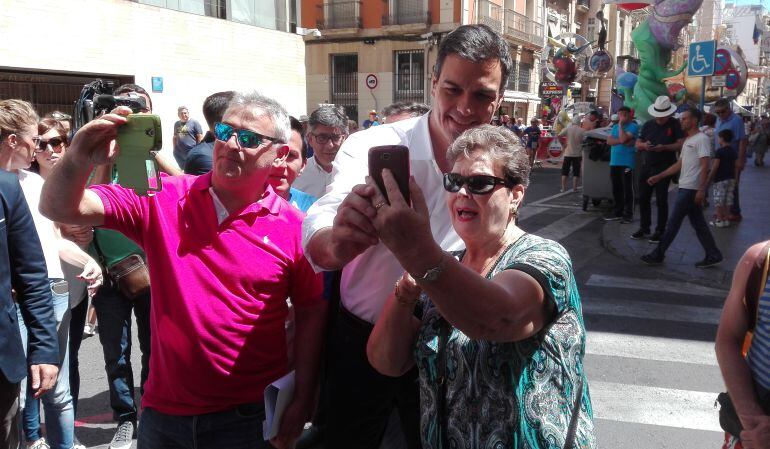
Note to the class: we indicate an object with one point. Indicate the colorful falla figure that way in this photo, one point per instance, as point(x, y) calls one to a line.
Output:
point(654, 39)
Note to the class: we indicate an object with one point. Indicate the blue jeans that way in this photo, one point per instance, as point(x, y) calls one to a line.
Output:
point(59, 414)
point(238, 428)
point(684, 206)
point(77, 323)
point(113, 312)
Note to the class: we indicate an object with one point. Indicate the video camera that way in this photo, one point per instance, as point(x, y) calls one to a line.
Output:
point(97, 98)
point(140, 138)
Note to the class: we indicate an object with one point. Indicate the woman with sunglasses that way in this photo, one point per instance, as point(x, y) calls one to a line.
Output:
point(16, 155)
point(496, 330)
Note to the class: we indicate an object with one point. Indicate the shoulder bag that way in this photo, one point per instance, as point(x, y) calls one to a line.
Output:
point(755, 285)
point(130, 275)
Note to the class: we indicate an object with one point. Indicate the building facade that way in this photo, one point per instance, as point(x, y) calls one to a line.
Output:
point(364, 55)
point(196, 47)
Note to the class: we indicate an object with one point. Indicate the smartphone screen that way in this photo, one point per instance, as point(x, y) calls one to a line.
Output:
point(396, 159)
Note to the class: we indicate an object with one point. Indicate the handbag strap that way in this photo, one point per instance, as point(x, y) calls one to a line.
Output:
point(756, 285)
point(571, 438)
point(443, 340)
point(99, 252)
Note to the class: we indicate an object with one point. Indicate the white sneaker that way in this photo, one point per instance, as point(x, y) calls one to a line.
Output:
point(89, 330)
point(123, 436)
point(39, 444)
point(76, 444)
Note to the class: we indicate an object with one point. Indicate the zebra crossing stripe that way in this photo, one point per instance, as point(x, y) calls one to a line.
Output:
point(565, 226)
point(685, 288)
point(651, 310)
point(653, 405)
point(650, 348)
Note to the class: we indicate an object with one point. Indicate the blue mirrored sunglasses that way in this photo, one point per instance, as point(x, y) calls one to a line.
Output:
point(245, 138)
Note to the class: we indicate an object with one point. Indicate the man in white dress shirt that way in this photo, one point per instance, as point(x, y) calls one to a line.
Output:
point(469, 78)
point(327, 129)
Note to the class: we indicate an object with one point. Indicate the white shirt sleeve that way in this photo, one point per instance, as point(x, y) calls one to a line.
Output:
point(704, 146)
point(349, 169)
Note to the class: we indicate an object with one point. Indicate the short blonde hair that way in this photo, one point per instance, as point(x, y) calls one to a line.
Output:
point(15, 115)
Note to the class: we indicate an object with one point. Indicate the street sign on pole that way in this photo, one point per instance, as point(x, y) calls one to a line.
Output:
point(700, 60)
point(371, 81)
point(718, 81)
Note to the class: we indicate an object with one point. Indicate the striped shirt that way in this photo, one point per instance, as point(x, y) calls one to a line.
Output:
point(759, 354)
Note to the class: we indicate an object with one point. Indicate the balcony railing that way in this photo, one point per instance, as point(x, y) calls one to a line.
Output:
point(405, 12)
point(340, 15)
point(510, 23)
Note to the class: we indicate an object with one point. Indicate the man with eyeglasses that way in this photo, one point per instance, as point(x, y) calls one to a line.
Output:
point(470, 74)
point(327, 130)
point(727, 119)
point(227, 251)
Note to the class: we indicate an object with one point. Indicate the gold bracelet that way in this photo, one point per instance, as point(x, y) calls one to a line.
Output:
point(401, 300)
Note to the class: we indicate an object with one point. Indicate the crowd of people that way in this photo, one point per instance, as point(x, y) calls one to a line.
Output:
point(336, 275)
point(375, 302)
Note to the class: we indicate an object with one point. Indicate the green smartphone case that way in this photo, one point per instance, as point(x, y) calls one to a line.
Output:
point(136, 165)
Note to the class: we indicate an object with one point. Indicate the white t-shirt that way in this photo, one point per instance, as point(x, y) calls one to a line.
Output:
point(314, 179)
point(32, 185)
point(369, 278)
point(693, 149)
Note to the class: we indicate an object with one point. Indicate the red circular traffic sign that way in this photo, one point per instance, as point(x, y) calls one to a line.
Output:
point(371, 81)
point(722, 62)
point(732, 79)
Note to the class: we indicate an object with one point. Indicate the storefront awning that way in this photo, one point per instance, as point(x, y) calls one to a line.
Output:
point(517, 96)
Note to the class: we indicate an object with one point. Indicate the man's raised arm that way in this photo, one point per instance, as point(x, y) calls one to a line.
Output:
point(65, 198)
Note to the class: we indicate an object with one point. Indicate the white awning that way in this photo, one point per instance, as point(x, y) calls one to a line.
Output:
point(517, 96)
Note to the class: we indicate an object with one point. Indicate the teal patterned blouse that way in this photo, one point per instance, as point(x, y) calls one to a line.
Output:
point(516, 395)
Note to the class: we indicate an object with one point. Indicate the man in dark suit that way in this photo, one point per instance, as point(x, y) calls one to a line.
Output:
point(22, 267)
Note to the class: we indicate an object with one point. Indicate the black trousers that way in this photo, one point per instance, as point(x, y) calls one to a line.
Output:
point(9, 413)
point(660, 189)
point(623, 190)
point(361, 400)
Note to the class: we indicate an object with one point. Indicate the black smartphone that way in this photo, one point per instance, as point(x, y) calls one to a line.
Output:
point(396, 159)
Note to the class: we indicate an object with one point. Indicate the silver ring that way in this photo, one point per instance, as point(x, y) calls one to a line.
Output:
point(379, 205)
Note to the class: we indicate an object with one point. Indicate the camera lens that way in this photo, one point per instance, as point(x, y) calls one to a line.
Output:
point(385, 157)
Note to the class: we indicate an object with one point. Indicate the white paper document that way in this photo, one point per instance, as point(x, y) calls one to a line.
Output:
point(278, 396)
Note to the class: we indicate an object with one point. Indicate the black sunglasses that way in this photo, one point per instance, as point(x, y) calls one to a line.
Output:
point(42, 145)
point(245, 138)
point(476, 184)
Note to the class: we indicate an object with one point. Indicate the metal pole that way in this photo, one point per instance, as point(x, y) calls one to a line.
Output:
point(702, 93)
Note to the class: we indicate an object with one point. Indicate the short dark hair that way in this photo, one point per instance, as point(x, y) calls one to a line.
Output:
point(722, 102)
point(624, 109)
point(215, 105)
point(726, 135)
point(476, 43)
point(133, 88)
point(413, 108)
point(710, 120)
point(297, 126)
point(331, 116)
point(695, 113)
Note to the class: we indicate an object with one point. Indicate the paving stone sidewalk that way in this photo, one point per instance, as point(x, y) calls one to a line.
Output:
point(686, 250)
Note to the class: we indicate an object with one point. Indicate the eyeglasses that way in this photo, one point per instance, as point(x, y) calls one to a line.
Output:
point(476, 184)
point(42, 145)
point(245, 138)
point(719, 111)
point(323, 139)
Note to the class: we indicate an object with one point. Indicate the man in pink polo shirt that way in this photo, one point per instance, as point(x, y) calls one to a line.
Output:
point(224, 253)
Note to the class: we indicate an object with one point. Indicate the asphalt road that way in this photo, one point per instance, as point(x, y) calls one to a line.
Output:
point(650, 360)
